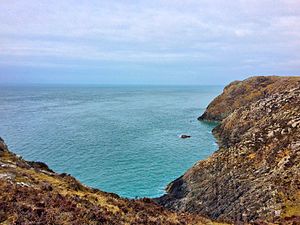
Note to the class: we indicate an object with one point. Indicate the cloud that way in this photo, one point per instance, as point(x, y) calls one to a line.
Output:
point(212, 32)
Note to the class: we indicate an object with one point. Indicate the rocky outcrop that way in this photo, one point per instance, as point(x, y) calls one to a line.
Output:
point(31, 193)
point(255, 174)
point(241, 93)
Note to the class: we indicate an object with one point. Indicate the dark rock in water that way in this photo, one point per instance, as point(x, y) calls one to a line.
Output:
point(183, 136)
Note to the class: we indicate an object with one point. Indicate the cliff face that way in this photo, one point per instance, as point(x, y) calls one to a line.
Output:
point(31, 193)
point(255, 174)
point(241, 93)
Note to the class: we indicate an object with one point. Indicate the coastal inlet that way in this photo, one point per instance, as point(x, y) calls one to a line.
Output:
point(118, 139)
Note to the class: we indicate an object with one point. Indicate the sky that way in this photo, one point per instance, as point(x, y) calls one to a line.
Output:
point(188, 42)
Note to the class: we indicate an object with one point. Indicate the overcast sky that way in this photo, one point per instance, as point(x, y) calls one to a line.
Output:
point(147, 42)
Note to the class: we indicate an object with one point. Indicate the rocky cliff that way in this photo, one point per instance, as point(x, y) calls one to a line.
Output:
point(241, 93)
point(255, 174)
point(31, 193)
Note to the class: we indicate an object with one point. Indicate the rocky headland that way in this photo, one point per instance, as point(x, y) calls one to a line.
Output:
point(254, 176)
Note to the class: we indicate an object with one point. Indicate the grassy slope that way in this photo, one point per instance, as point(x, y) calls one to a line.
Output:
point(31, 193)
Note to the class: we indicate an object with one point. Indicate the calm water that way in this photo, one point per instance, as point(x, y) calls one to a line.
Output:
point(119, 139)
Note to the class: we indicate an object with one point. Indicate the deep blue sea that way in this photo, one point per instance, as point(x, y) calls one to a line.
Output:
point(121, 139)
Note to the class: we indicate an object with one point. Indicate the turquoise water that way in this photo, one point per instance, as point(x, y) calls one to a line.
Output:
point(119, 139)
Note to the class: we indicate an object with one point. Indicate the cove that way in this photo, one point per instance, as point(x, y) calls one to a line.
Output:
point(121, 139)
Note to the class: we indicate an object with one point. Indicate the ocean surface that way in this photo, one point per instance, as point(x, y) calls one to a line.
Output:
point(119, 139)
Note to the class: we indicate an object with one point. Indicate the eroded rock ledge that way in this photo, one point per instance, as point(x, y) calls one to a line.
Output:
point(255, 174)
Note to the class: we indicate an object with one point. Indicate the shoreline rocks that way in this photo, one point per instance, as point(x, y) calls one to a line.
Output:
point(254, 177)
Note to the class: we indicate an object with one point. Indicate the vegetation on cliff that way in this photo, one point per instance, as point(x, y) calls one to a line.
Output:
point(241, 93)
point(255, 174)
point(31, 193)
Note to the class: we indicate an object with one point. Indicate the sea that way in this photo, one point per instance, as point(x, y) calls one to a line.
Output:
point(121, 139)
